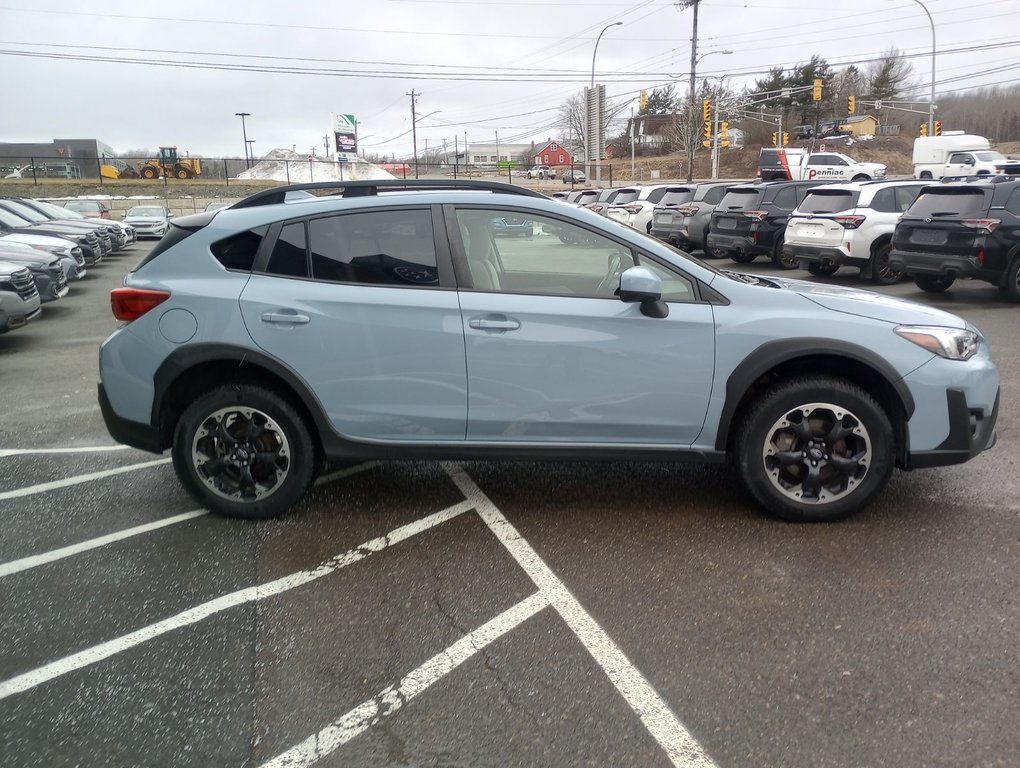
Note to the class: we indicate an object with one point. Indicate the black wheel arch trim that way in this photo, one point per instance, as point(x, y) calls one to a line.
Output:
point(774, 353)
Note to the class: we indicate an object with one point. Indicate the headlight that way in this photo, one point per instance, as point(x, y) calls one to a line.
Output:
point(950, 343)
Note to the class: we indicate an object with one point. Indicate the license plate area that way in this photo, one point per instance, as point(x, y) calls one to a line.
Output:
point(727, 224)
point(928, 236)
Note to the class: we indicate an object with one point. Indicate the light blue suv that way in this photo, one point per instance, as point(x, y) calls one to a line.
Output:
point(261, 341)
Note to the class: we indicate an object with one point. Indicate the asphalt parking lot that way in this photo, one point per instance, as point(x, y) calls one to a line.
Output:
point(477, 614)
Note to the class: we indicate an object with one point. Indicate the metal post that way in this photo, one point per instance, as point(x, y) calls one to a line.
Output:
point(694, 67)
point(35, 179)
point(226, 173)
point(286, 165)
point(632, 142)
point(931, 105)
point(414, 131)
point(610, 174)
point(715, 138)
point(99, 164)
point(244, 134)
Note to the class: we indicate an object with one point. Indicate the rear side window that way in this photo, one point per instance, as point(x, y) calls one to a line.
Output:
point(950, 202)
point(676, 196)
point(656, 195)
point(290, 253)
point(237, 251)
point(740, 199)
point(714, 195)
point(1013, 204)
point(827, 201)
point(394, 248)
point(786, 199)
point(905, 196)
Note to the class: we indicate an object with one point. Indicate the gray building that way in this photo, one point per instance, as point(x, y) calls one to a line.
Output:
point(61, 158)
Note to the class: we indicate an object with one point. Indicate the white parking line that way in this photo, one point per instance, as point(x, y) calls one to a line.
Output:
point(392, 698)
point(5, 452)
point(33, 561)
point(89, 656)
point(77, 479)
point(680, 746)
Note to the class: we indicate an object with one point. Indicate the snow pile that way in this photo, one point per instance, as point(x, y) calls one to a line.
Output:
point(285, 165)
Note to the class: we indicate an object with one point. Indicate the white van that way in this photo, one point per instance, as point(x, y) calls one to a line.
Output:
point(956, 153)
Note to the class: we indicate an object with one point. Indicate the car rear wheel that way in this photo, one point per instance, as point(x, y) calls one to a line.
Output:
point(244, 451)
point(818, 269)
point(933, 283)
point(815, 450)
point(779, 259)
point(882, 271)
point(1011, 286)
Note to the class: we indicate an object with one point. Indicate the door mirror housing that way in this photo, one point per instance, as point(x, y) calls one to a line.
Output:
point(640, 284)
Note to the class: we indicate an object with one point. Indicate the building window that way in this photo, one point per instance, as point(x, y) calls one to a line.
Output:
point(561, 157)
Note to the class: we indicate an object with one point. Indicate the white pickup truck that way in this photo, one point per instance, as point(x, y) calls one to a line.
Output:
point(956, 153)
point(778, 164)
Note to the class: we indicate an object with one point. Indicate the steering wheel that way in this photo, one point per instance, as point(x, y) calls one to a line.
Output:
point(611, 282)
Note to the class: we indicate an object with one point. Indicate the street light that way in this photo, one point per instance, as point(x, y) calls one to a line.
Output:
point(598, 113)
point(244, 133)
point(931, 104)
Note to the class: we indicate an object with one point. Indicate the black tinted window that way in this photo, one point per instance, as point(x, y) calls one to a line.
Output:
point(1013, 204)
point(656, 195)
point(786, 199)
point(383, 248)
point(949, 202)
point(905, 196)
point(827, 201)
point(238, 251)
point(290, 254)
point(740, 199)
point(714, 195)
point(885, 200)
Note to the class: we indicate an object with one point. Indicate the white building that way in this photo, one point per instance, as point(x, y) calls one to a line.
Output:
point(490, 154)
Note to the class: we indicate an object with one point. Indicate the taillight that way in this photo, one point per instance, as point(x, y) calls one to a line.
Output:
point(131, 303)
point(756, 215)
point(632, 208)
point(988, 225)
point(849, 222)
point(687, 210)
point(981, 257)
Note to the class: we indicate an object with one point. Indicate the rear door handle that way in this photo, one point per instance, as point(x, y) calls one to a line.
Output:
point(494, 323)
point(290, 318)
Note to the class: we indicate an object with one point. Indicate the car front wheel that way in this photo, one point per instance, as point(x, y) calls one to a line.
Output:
point(815, 450)
point(244, 451)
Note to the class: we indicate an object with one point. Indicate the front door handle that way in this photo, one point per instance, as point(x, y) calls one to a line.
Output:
point(290, 318)
point(494, 323)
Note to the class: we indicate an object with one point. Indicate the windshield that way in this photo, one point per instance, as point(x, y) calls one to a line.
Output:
point(827, 201)
point(57, 211)
point(81, 206)
point(24, 211)
point(145, 210)
point(950, 202)
point(677, 195)
point(740, 199)
point(989, 157)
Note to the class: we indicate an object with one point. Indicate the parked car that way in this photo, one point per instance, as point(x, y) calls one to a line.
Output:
point(750, 221)
point(123, 234)
point(93, 209)
point(574, 176)
point(46, 269)
point(71, 259)
point(19, 299)
point(541, 172)
point(688, 223)
point(849, 225)
point(102, 231)
point(633, 205)
point(601, 201)
point(803, 131)
point(444, 346)
point(216, 206)
point(520, 226)
point(87, 241)
point(149, 220)
point(968, 229)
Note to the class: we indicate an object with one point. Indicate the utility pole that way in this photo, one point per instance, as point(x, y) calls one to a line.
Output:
point(497, 149)
point(325, 143)
point(694, 66)
point(414, 130)
point(715, 135)
point(426, 156)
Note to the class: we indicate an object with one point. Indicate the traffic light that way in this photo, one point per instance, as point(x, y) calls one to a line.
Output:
point(708, 132)
point(775, 139)
point(786, 138)
point(924, 129)
point(816, 91)
point(938, 127)
point(644, 100)
point(706, 110)
point(724, 129)
point(851, 104)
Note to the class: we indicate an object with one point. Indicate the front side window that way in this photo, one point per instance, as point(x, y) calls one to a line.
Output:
point(393, 248)
point(560, 258)
point(675, 287)
point(961, 158)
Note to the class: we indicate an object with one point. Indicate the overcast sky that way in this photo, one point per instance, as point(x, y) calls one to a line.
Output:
point(481, 66)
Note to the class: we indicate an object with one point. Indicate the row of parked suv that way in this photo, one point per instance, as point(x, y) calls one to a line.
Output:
point(43, 248)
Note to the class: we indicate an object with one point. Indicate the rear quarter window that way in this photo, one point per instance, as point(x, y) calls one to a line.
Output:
point(949, 203)
point(238, 251)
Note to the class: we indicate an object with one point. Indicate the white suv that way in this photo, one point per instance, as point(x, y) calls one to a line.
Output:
point(633, 206)
point(849, 224)
point(541, 172)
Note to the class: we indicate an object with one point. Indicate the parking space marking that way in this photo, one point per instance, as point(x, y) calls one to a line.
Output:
point(392, 698)
point(33, 561)
point(681, 747)
point(77, 479)
point(5, 452)
point(96, 653)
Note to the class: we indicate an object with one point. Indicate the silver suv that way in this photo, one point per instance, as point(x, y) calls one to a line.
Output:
point(850, 225)
point(263, 339)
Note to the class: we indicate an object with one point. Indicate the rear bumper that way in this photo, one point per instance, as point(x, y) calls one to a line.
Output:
point(734, 244)
point(142, 436)
point(969, 434)
point(821, 254)
point(946, 265)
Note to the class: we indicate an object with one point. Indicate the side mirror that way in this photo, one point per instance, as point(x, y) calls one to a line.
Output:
point(640, 284)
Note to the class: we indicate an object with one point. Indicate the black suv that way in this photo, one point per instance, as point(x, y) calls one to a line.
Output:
point(962, 229)
point(750, 221)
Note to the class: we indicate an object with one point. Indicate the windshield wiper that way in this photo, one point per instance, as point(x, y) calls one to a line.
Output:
point(741, 276)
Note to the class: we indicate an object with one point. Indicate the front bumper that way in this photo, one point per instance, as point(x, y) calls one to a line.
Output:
point(971, 431)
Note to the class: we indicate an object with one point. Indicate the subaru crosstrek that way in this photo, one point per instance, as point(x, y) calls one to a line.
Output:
point(263, 340)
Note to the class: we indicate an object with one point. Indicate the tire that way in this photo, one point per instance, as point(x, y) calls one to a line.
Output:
point(881, 272)
point(781, 261)
point(861, 177)
point(203, 435)
point(150, 172)
point(183, 173)
point(925, 175)
point(933, 283)
point(818, 269)
point(740, 257)
point(1011, 284)
point(777, 450)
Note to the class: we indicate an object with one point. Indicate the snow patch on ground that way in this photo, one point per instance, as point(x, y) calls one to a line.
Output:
point(293, 167)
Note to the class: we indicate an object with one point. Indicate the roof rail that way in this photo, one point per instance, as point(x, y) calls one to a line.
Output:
point(278, 195)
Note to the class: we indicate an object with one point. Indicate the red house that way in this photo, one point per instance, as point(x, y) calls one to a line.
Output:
point(553, 153)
